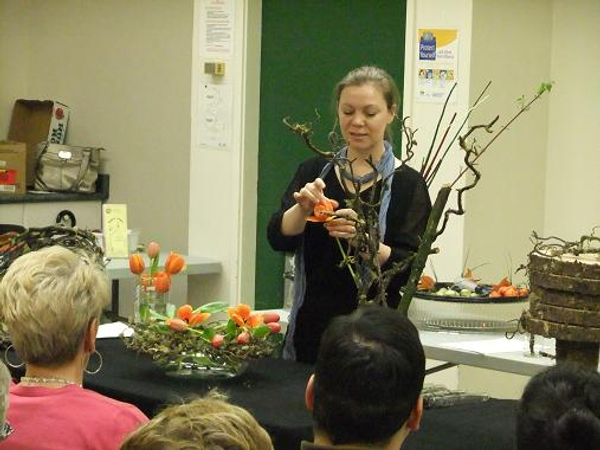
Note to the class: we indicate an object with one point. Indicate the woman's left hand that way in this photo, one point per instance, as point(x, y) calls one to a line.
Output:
point(343, 225)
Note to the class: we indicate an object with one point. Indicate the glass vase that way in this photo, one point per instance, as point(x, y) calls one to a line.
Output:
point(147, 298)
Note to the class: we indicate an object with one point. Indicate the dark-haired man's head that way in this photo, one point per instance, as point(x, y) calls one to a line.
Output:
point(368, 380)
point(560, 409)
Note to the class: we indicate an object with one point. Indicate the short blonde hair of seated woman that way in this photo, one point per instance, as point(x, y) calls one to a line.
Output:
point(48, 299)
point(208, 423)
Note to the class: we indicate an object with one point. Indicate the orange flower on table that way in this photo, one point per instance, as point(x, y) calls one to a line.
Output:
point(185, 312)
point(177, 325)
point(242, 315)
point(255, 320)
point(174, 264)
point(426, 283)
point(153, 250)
point(322, 212)
point(198, 318)
point(136, 264)
point(161, 282)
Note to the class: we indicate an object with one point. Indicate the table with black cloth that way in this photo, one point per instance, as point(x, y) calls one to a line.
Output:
point(273, 391)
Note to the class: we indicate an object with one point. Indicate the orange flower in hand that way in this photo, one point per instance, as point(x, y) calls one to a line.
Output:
point(174, 264)
point(136, 264)
point(323, 212)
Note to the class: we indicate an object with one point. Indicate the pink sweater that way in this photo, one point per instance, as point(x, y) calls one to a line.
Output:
point(67, 418)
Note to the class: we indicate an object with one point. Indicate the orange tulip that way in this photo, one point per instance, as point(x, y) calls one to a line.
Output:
point(174, 264)
point(238, 320)
point(322, 212)
point(426, 283)
point(198, 318)
point(136, 264)
point(161, 282)
point(255, 320)
point(184, 312)
point(152, 250)
point(231, 311)
point(177, 325)
point(244, 311)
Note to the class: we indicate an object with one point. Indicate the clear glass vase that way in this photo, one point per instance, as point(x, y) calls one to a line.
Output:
point(147, 298)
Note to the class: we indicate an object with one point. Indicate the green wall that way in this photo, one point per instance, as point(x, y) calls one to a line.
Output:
point(307, 47)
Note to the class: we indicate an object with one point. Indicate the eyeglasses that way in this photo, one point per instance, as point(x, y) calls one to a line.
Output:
point(6, 431)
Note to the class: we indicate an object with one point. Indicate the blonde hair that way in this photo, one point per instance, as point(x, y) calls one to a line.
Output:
point(208, 423)
point(48, 299)
point(4, 392)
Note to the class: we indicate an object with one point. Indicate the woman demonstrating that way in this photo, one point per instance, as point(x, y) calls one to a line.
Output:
point(367, 101)
point(51, 301)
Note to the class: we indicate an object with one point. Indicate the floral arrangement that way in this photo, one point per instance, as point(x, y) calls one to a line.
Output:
point(195, 341)
point(153, 284)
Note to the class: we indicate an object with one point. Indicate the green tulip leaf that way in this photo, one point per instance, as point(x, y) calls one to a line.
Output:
point(260, 332)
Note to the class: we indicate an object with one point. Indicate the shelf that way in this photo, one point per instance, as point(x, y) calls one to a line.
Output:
point(101, 194)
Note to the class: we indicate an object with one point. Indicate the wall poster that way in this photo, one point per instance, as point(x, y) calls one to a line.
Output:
point(437, 64)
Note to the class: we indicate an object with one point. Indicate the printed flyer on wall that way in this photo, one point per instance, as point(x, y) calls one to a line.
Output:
point(436, 65)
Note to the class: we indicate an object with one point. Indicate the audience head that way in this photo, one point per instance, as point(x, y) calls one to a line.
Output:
point(560, 409)
point(205, 424)
point(5, 428)
point(51, 300)
point(368, 378)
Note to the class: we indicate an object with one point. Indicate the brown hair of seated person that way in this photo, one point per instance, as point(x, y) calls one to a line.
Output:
point(208, 423)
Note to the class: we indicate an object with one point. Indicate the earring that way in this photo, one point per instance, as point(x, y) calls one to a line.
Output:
point(94, 372)
point(14, 366)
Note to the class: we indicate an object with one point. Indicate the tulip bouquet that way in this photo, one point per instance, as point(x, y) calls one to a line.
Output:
point(195, 342)
point(154, 285)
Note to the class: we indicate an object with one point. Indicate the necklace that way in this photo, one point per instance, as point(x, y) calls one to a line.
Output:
point(48, 380)
point(361, 180)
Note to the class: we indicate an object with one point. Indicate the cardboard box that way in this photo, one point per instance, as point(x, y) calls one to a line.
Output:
point(34, 121)
point(13, 157)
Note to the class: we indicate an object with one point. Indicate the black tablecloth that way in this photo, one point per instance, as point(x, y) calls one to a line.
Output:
point(273, 391)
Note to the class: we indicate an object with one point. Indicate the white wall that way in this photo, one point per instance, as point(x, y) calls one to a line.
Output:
point(439, 14)
point(14, 44)
point(124, 68)
point(511, 47)
point(572, 179)
point(223, 183)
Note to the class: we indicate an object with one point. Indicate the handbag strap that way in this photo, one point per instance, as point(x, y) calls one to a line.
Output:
point(87, 152)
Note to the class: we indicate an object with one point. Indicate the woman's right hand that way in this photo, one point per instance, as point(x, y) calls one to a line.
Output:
point(294, 219)
point(310, 195)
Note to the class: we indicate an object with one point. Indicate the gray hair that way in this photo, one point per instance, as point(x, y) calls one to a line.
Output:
point(48, 299)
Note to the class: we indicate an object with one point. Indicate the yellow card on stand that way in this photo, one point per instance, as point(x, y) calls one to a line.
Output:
point(114, 227)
